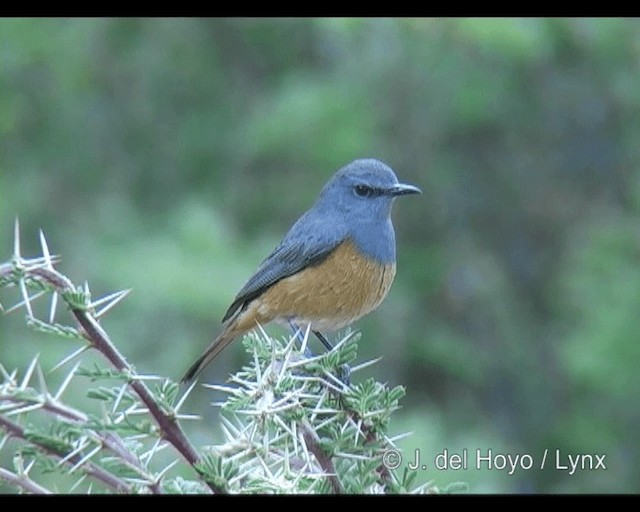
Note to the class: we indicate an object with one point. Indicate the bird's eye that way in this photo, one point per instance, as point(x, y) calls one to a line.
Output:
point(363, 190)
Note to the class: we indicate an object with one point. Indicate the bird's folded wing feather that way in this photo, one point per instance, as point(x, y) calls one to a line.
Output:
point(309, 242)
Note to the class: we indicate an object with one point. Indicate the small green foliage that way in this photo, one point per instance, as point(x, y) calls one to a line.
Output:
point(9, 275)
point(179, 485)
point(51, 442)
point(216, 469)
point(77, 299)
point(455, 487)
point(291, 426)
point(65, 331)
point(167, 392)
point(101, 373)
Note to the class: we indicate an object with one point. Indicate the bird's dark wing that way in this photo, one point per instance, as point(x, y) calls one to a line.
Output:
point(309, 242)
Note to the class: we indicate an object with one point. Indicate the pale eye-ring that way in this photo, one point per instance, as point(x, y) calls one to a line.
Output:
point(363, 190)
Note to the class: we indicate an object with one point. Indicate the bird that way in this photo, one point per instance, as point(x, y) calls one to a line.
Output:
point(335, 264)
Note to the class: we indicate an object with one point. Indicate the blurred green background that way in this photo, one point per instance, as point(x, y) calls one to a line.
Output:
point(171, 155)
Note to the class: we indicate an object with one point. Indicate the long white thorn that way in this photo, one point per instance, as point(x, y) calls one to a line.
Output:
point(16, 239)
point(54, 305)
point(114, 299)
point(45, 251)
point(66, 381)
point(42, 382)
point(29, 372)
point(70, 357)
point(25, 296)
point(86, 458)
point(177, 407)
point(23, 302)
point(365, 364)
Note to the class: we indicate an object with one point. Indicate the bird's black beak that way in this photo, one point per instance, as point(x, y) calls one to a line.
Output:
point(403, 189)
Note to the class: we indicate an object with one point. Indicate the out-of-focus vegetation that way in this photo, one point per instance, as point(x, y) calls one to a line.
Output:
point(170, 156)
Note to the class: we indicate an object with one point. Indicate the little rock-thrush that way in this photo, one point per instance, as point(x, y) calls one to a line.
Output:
point(335, 264)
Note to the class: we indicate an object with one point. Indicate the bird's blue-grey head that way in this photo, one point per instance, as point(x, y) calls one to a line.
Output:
point(360, 195)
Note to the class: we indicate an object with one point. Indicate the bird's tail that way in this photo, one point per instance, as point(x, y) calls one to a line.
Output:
point(213, 350)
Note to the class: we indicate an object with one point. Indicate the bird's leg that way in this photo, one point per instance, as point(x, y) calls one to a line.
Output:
point(300, 335)
point(344, 373)
point(323, 339)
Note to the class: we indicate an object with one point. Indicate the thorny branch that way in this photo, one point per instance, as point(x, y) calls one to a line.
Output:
point(46, 275)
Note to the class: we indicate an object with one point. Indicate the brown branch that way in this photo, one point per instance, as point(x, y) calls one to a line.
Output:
point(369, 437)
point(91, 469)
point(170, 429)
point(23, 482)
point(113, 443)
point(110, 441)
point(313, 443)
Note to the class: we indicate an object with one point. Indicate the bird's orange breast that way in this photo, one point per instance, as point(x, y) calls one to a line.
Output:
point(330, 295)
